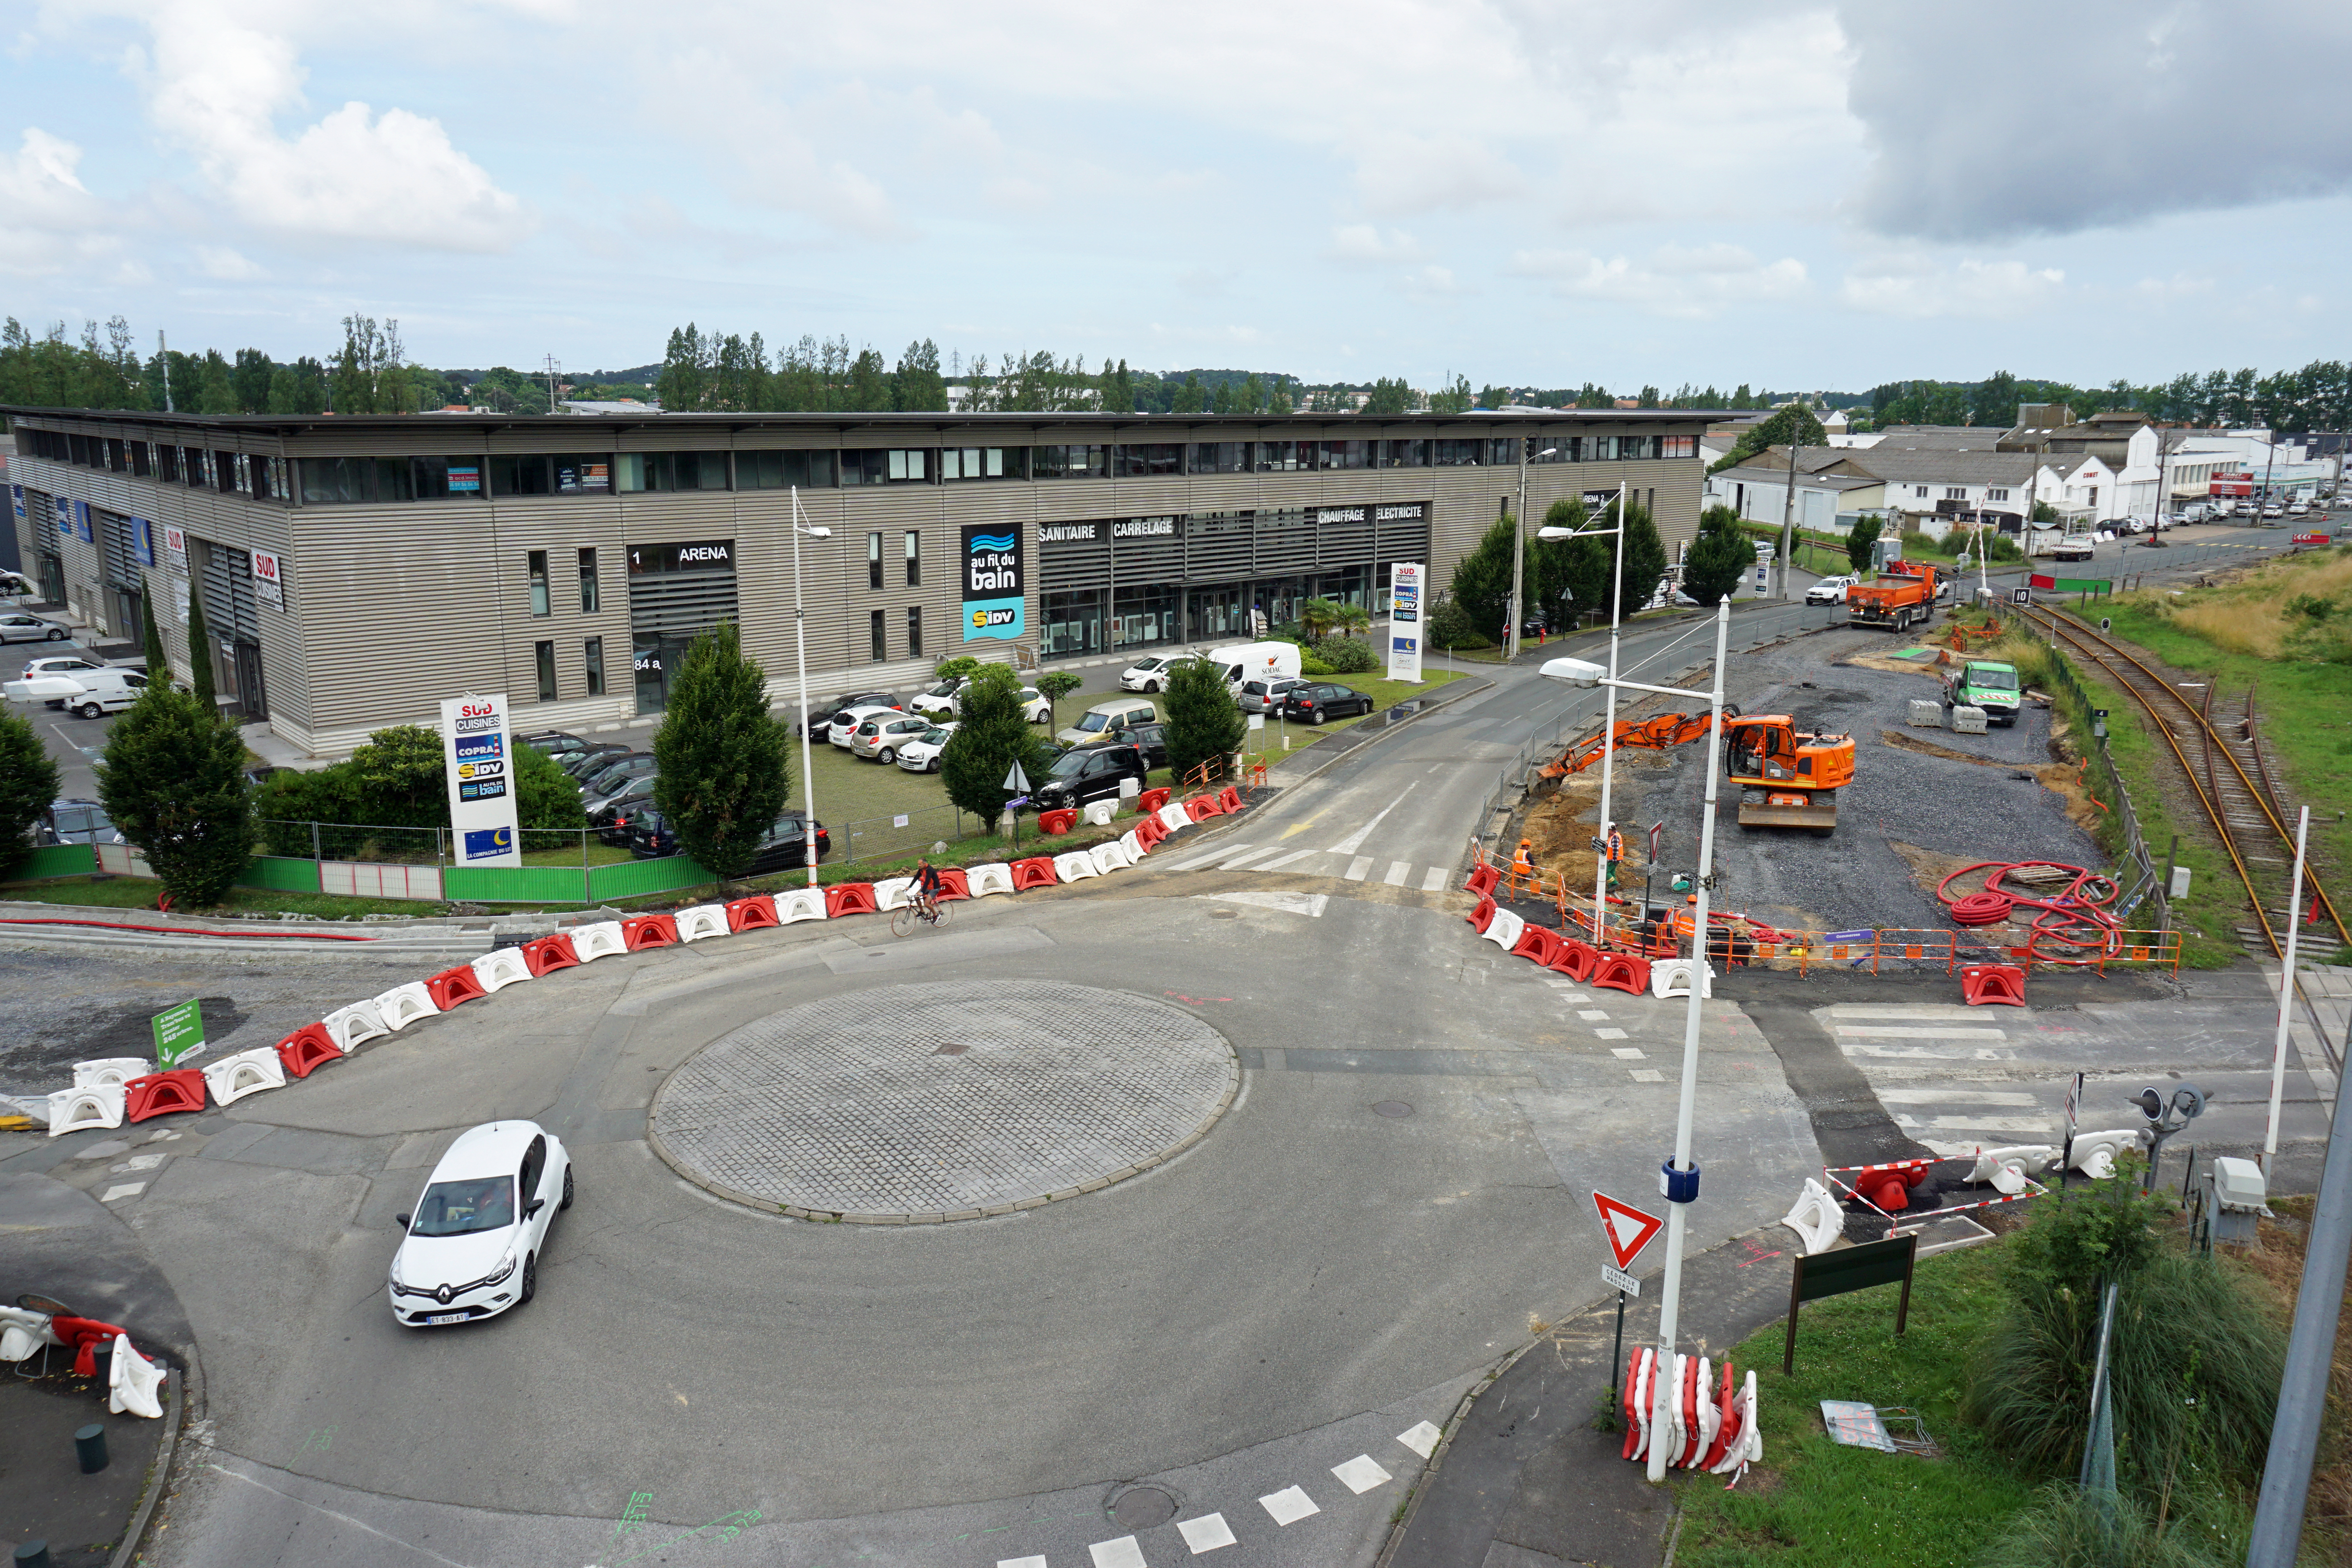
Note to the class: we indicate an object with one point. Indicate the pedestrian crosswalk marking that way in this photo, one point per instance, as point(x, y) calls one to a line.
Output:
point(1290, 859)
point(1238, 861)
point(1357, 869)
point(1435, 881)
point(1398, 872)
point(1896, 1032)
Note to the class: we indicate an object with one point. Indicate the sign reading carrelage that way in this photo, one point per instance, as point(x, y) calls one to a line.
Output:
point(995, 592)
point(476, 751)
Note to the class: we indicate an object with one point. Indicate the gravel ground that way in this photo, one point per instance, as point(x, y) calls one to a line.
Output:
point(1855, 879)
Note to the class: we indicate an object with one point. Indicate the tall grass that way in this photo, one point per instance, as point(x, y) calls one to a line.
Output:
point(2300, 607)
point(2069, 1528)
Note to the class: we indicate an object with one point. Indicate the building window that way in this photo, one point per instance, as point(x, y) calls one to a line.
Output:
point(590, 599)
point(660, 471)
point(538, 587)
point(1955, 492)
point(914, 558)
point(592, 658)
point(1345, 454)
point(1405, 454)
point(167, 464)
point(1920, 491)
point(1221, 457)
point(913, 631)
point(1151, 460)
point(874, 567)
point(1069, 462)
point(783, 471)
point(1996, 494)
point(1284, 457)
point(879, 636)
point(886, 465)
point(139, 464)
point(983, 463)
point(546, 652)
point(1678, 446)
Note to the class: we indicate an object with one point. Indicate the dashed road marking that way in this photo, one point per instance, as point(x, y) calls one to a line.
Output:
point(1398, 872)
point(1357, 869)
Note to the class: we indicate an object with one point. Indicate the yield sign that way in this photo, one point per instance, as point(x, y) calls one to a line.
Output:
point(1628, 1228)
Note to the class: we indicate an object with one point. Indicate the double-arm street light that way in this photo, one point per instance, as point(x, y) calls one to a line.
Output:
point(799, 651)
point(1519, 553)
point(1678, 1177)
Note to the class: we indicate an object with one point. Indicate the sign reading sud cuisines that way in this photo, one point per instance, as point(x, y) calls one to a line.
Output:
point(477, 752)
point(995, 592)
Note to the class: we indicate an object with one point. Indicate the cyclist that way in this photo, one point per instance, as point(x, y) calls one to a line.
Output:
point(926, 887)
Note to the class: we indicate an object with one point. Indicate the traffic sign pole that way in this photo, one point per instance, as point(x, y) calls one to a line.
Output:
point(1627, 1230)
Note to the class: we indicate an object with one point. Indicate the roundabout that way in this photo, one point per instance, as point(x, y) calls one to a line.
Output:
point(929, 1103)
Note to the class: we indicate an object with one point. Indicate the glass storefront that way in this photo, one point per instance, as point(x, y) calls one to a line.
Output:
point(1073, 622)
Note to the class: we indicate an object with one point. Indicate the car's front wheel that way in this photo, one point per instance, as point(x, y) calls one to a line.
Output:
point(567, 1189)
point(90, 711)
point(886, 756)
point(932, 766)
point(529, 1280)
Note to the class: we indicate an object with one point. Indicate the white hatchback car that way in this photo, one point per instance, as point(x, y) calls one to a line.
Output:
point(845, 722)
point(939, 698)
point(921, 754)
point(1829, 590)
point(473, 1245)
point(1150, 674)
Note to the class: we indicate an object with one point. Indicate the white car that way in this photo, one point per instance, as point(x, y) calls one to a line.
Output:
point(939, 698)
point(1034, 706)
point(1266, 695)
point(18, 627)
point(473, 1243)
point(63, 664)
point(1150, 674)
point(845, 722)
point(878, 739)
point(86, 693)
point(921, 753)
point(1830, 590)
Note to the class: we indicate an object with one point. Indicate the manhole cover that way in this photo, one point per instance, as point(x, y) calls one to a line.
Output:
point(1392, 1108)
point(945, 1100)
point(1140, 1508)
point(1225, 914)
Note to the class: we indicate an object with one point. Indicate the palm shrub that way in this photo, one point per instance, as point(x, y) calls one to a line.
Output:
point(2195, 1361)
point(723, 761)
point(28, 785)
point(991, 735)
point(172, 778)
point(1202, 720)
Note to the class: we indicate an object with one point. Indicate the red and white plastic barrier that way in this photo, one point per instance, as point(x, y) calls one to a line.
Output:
point(1683, 1405)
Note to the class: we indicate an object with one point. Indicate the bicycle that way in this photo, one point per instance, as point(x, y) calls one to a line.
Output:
point(919, 911)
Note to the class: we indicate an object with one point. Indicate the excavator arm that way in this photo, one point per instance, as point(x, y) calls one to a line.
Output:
point(1654, 734)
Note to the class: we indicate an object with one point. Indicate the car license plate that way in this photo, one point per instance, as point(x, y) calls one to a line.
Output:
point(439, 1318)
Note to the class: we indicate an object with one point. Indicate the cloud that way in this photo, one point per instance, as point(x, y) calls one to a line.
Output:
point(1689, 281)
point(219, 261)
point(1365, 242)
point(1918, 288)
point(2093, 115)
point(53, 222)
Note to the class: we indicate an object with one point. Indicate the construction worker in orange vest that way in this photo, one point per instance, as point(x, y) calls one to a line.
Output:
point(1616, 854)
point(1686, 923)
point(1523, 864)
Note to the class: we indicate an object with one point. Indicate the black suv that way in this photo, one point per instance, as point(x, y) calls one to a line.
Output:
point(1084, 773)
point(1151, 740)
point(1316, 703)
point(786, 846)
point(649, 835)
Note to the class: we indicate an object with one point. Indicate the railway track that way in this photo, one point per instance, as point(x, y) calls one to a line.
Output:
point(2216, 741)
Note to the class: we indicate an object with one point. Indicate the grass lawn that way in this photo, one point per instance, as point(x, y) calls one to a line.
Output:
point(1813, 1501)
point(1385, 695)
point(139, 893)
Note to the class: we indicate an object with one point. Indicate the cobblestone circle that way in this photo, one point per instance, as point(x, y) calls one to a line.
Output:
point(914, 1103)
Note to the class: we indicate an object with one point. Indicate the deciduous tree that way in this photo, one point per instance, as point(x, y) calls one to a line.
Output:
point(723, 761)
point(1718, 557)
point(1202, 720)
point(172, 778)
point(28, 784)
point(991, 735)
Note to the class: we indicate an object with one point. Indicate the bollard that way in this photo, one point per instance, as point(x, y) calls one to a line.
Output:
point(33, 1554)
point(90, 1447)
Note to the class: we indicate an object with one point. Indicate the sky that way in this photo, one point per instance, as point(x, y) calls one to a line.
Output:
point(1520, 192)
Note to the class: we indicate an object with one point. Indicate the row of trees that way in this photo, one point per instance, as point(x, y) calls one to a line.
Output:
point(2316, 397)
point(1561, 578)
point(371, 373)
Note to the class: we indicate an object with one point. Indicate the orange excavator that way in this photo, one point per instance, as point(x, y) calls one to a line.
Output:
point(1787, 777)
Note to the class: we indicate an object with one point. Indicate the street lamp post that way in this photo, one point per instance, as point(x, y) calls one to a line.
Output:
point(799, 651)
point(1520, 554)
point(1609, 719)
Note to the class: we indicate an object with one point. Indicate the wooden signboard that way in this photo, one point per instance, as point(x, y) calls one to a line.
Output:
point(1849, 1269)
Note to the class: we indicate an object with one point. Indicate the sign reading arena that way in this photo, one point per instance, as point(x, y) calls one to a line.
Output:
point(993, 588)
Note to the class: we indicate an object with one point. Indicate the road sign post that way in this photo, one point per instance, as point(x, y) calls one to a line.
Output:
point(1017, 782)
point(1627, 1230)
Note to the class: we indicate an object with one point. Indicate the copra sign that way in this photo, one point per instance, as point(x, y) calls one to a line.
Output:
point(478, 755)
point(994, 591)
point(1405, 583)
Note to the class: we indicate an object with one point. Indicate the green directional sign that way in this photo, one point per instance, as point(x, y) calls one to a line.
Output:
point(179, 1033)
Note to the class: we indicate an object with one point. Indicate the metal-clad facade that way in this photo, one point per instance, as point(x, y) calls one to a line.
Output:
point(392, 606)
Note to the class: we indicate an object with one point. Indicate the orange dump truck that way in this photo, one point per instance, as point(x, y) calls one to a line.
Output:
point(1902, 596)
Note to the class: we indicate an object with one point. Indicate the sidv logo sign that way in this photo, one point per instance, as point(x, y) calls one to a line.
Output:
point(994, 596)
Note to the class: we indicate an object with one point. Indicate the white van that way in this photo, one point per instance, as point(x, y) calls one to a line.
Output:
point(85, 692)
point(1255, 661)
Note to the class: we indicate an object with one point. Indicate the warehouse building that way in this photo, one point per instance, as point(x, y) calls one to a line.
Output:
point(355, 570)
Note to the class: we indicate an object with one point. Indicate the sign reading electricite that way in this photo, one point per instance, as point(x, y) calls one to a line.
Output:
point(995, 592)
point(478, 755)
point(1404, 620)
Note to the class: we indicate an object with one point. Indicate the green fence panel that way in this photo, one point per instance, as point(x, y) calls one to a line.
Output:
point(636, 878)
point(513, 885)
point(57, 860)
point(281, 874)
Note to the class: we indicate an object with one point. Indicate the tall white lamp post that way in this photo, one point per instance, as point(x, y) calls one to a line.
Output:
point(1609, 720)
point(799, 651)
point(1519, 556)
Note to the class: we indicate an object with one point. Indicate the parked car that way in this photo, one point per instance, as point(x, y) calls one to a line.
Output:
point(1084, 773)
point(471, 1247)
point(18, 626)
point(1151, 674)
point(2273, 508)
point(878, 739)
point(821, 726)
point(2076, 547)
point(551, 743)
point(786, 846)
point(1034, 706)
point(632, 787)
point(1266, 695)
point(613, 777)
point(1830, 590)
point(1317, 701)
point(76, 821)
point(1151, 740)
point(1104, 717)
point(1986, 684)
point(612, 820)
point(2299, 508)
point(846, 721)
point(87, 689)
point(920, 754)
point(588, 760)
point(939, 698)
point(649, 835)
point(60, 664)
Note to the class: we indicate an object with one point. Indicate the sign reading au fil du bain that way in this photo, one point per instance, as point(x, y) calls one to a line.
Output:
point(1405, 625)
point(995, 592)
point(477, 752)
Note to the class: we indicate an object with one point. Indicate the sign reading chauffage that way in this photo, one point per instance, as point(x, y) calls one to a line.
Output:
point(995, 592)
point(478, 754)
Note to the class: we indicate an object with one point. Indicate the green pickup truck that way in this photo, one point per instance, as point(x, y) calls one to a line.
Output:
point(1986, 684)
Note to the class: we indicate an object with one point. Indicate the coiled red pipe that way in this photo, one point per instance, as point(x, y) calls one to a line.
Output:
point(2072, 926)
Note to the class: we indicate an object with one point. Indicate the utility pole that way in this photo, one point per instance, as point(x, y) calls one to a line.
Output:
point(551, 370)
point(1789, 509)
point(164, 356)
point(1519, 556)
